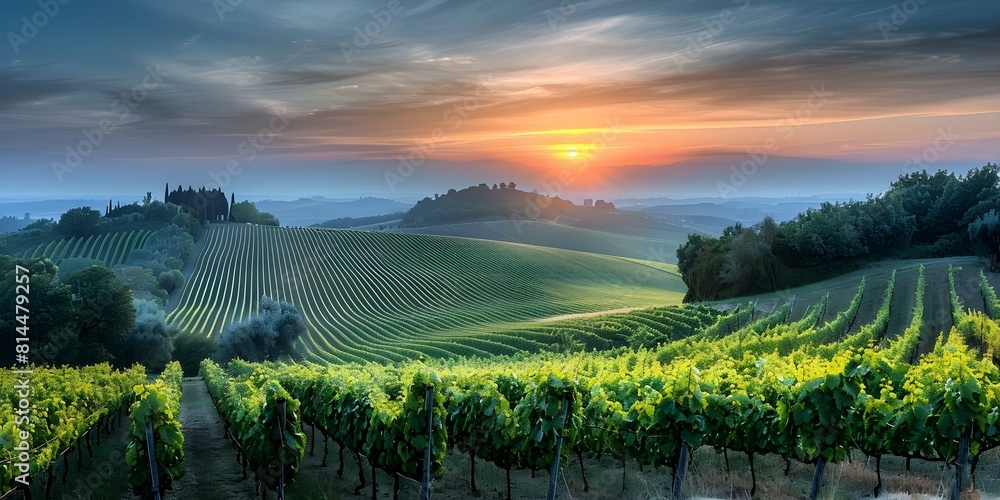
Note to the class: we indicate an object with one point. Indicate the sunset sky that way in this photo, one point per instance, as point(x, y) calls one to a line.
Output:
point(319, 97)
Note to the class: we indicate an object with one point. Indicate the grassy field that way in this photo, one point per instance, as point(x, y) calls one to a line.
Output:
point(386, 297)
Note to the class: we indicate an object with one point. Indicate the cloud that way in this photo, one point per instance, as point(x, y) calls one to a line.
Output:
point(695, 75)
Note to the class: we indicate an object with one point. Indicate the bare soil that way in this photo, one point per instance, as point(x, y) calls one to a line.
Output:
point(211, 469)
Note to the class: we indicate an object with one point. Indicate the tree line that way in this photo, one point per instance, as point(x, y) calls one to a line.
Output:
point(922, 215)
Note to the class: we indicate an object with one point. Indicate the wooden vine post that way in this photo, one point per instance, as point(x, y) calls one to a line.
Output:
point(151, 455)
point(425, 484)
point(817, 481)
point(554, 467)
point(282, 409)
point(682, 461)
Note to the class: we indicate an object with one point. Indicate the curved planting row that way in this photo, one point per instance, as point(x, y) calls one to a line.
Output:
point(536, 412)
point(387, 297)
point(110, 248)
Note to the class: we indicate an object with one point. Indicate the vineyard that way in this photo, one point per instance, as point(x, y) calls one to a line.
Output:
point(110, 248)
point(68, 407)
point(814, 388)
point(391, 297)
point(802, 389)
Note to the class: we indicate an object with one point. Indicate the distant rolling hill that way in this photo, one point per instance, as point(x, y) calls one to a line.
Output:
point(620, 233)
point(384, 296)
point(745, 212)
point(309, 211)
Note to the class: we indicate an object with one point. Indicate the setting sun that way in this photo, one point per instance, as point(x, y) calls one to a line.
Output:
point(572, 153)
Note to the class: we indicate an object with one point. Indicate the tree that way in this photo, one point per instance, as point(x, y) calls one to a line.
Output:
point(268, 219)
point(79, 222)
point(148, 198)
point(244, 211)
point(268, 336)
point(151, 341)
point(985, 235)
point(161, 212)
point(104, 314)
point(750, 266)
point(189, 223)
point(142, 282)
point(51, 313)
point(171, 280)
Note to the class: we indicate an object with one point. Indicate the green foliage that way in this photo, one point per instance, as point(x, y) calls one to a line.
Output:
point(70, 266)
point(247, 212)
point(478, 202)
point(161, 212)
point(922, 215)
point(957, 311)
point(157, 404)
point(104, 314)
point(189, 223)
point(803, 404)
point(248, 403)
point(990, 301)
point(52, 313)
point(72, 402)
point(142, 283)
point(79, 222)
point(168, 244)
point(151, 341)
point(190, 350)
point(902, 348)
point(171, 281)
point(270, 335)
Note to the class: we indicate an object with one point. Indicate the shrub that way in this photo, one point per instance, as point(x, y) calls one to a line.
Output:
point(151, 340)
point(268, 336)
point(171, 281)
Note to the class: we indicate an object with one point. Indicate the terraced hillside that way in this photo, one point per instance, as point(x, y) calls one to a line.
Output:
point(383, 296)
point(110, 248)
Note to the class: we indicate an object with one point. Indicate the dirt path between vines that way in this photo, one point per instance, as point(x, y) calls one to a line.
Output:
point(211, 470)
